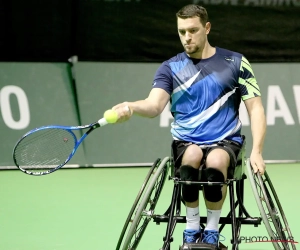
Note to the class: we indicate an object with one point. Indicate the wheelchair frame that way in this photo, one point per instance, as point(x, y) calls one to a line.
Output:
point(266, 198)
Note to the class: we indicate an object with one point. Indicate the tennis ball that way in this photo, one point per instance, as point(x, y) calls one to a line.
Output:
point(110, 116)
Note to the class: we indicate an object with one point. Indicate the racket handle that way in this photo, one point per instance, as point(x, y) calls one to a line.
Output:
point(109, 116)
point(102, 122)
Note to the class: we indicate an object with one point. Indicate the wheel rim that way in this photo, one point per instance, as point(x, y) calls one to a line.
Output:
point(139, 195)
point(283, 231)
point(145, 209)
point(272, 219)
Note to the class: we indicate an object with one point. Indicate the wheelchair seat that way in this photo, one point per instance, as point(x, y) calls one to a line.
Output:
point(236, 172)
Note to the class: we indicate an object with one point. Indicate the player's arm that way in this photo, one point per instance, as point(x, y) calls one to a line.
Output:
point(251, 96)
point(258, 128)
point(150, 107)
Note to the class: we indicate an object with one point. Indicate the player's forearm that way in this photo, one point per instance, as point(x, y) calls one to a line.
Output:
point(258, 129)
point(145, 108)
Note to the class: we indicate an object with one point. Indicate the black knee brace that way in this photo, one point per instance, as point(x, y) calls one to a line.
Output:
point(190, 193)
point(213, 193)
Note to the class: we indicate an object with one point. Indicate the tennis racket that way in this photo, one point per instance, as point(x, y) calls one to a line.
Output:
point(46, 149)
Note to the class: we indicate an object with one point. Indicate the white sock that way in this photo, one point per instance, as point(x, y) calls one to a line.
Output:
point(192, 218)
point(213, 218)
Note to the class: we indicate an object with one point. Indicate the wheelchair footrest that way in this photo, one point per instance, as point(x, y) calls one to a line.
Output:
point(202, 246)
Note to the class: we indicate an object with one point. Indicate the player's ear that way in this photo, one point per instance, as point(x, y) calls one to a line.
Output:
point(207, 27)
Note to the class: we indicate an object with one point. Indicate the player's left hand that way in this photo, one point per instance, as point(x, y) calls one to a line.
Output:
point(257, 163)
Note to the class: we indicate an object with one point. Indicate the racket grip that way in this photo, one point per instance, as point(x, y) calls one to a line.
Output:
point(102, 122)
point(111, 116)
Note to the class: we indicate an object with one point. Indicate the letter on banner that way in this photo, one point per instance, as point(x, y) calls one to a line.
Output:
point(165, 117)
point(5, 106)
point(296, 89)
point(275, 97)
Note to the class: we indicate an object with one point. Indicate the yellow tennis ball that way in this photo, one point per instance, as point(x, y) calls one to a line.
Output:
point(110, 116)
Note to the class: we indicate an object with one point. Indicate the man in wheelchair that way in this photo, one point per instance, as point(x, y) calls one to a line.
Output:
point(214, 160)
point(205, 86)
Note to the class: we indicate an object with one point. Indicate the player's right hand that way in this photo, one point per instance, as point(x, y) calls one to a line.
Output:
point(124, 111)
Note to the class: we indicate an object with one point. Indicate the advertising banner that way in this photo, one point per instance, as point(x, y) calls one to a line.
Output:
point(35, 94)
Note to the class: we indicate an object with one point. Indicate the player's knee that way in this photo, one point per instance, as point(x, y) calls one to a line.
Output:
point(192, 156)
point(190, 193)
point(213, 193)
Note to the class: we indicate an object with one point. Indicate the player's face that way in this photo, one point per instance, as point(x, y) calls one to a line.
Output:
point(193, 35)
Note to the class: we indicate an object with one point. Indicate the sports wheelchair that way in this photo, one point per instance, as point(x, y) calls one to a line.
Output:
point(142, 211)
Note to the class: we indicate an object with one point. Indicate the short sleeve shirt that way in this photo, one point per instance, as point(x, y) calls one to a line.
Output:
point(205, 95)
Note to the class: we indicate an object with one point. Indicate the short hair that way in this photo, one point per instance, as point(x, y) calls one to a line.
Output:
point(193, 10)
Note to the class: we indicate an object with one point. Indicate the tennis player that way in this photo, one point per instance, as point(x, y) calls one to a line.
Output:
point(205, 86)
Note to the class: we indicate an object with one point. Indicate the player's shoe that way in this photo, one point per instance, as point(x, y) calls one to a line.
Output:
point(191, 236)
point(211, 237)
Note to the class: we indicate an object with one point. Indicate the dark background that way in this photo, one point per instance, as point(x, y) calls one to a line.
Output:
point(141, 31)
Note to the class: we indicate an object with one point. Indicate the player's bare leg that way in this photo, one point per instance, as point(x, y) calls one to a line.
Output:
point(217, 159)
point(192, 159)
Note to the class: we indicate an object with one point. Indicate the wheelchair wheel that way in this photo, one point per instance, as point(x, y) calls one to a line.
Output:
point(141, 212)
point(270, 210)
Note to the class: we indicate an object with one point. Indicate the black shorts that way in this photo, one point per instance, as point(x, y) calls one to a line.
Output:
point(231, 147)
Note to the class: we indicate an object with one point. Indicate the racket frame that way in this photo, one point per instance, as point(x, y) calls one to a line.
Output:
point(100, 123)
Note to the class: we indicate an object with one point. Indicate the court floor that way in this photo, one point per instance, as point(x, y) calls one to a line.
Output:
point(85, 209)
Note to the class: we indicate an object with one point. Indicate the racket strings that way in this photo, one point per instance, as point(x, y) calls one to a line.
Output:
point(44, 149)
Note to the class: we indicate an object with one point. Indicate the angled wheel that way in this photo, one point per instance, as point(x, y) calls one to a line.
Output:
point(144, 205)
point(270, 210)
point(137, 199)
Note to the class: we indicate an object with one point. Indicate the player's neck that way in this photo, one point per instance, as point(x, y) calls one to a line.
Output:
point(207, 52)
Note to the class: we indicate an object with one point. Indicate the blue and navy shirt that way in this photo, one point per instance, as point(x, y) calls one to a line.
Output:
point(205, 95)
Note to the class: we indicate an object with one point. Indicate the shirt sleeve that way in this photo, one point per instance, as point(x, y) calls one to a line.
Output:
point(163, 78)
point(247, 81)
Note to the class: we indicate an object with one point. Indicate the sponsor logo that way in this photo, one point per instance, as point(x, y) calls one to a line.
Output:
point(229, 59)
